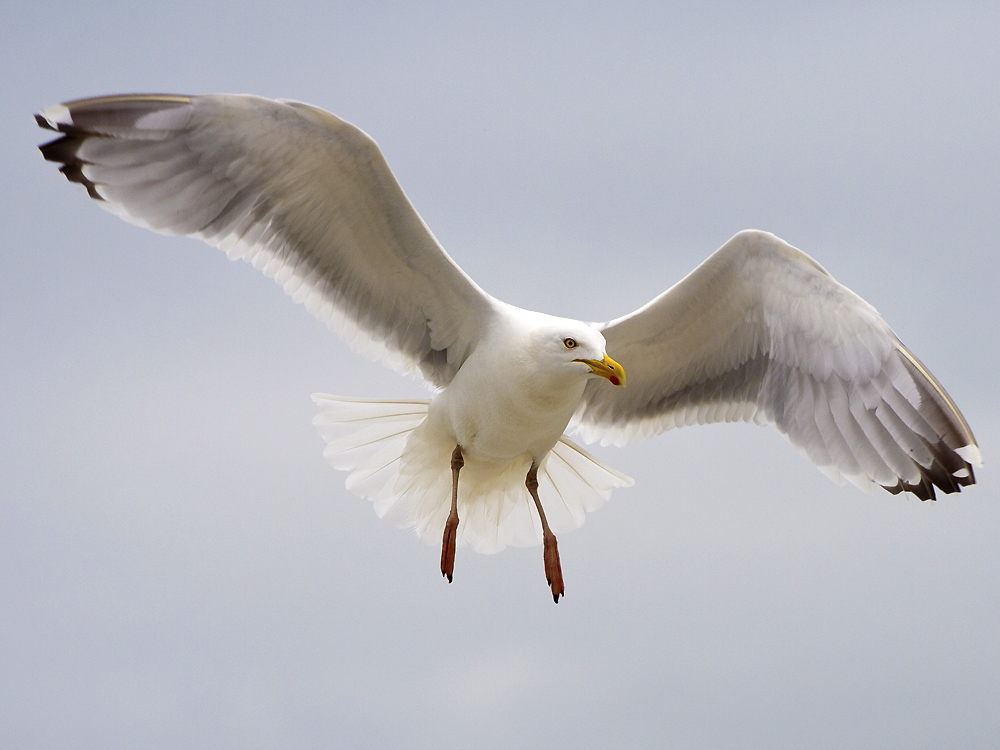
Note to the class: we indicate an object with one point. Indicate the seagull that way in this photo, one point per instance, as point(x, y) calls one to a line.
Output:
point(759, 332)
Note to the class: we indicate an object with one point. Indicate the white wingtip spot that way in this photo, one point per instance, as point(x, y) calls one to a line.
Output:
point(56, 115)
point(971, 454)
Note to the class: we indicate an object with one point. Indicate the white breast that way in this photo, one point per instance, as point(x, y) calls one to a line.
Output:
point(505, 401)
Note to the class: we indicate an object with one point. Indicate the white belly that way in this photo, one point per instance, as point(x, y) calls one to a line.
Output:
point(507, 420)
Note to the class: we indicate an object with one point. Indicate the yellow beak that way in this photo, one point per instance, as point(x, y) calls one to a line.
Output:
point(606, 368)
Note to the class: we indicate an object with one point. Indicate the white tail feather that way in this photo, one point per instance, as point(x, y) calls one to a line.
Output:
point(402, 464)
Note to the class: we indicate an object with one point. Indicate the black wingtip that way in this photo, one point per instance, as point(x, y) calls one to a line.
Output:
point(946, 478)
point(43, 123)
point(64, 151)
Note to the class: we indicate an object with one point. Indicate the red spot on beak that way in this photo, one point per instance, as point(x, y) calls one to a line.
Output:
point(614, 380)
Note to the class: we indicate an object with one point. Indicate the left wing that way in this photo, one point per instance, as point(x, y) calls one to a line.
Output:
point(762, 332)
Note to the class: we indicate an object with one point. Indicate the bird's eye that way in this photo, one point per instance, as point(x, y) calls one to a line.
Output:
point(570, 343)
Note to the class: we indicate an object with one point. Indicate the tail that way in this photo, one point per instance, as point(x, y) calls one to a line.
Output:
point(400, 463)
point(367, 438)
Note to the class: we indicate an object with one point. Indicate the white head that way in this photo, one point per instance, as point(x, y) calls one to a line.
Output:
point(573, 346)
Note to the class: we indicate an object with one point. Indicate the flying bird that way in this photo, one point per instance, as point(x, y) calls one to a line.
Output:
point(759, 332)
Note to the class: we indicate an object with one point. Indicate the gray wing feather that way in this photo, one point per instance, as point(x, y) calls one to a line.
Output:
point(761, 332)
point(302, 195)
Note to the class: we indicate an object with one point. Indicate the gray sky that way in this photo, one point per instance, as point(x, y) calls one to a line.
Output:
point(180, 567)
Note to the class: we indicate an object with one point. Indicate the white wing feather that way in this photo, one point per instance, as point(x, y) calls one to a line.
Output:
point(762, 332)
point(302, 195)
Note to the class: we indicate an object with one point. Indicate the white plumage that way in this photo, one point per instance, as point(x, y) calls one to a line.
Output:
point(759, 332)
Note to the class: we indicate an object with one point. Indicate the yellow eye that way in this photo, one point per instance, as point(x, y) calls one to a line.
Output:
point(570, 343)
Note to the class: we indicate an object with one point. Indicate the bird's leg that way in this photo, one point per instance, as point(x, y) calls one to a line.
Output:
point(451, 525)
point(553, 571)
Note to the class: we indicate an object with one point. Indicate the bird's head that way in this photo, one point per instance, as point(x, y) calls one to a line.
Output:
point(581, 346)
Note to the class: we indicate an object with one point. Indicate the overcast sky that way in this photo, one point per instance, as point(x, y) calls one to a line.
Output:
point(179, 567)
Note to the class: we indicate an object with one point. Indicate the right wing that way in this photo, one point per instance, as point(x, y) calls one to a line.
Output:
point(302, 195)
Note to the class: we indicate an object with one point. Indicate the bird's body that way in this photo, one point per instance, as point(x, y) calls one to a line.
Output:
point(759, 332)
point(527, 410)
point(508, 408)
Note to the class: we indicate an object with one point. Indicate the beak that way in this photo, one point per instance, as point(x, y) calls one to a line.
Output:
point(606, 368)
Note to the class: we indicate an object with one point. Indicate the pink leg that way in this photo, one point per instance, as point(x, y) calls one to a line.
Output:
point(553, 570)
point(451, 525)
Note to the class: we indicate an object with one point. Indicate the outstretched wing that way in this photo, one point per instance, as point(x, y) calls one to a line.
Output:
point(302, 195)
point(762, 332)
